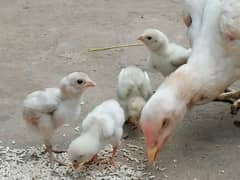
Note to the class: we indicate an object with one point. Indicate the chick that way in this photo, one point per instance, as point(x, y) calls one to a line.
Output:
point(133, 90)
point(46, 110)
point(164, 57)
point(101, 127)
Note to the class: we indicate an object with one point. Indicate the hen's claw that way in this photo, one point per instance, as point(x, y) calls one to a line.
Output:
point(229, 95)
point(235, 107)
point(232, 97)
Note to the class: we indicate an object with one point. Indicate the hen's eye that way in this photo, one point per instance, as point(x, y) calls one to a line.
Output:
point(79, 81)
point(149, 37)
point(165, 123)
point(187, 20)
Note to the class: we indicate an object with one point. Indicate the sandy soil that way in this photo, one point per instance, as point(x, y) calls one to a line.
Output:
point(42, 41)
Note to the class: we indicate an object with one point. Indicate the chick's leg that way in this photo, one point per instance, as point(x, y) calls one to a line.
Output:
point(59, 151)
point(94, 158)
point(51, 157)
point(50, 153)
point(115, 148)
point(135, 122)
point(53, 150)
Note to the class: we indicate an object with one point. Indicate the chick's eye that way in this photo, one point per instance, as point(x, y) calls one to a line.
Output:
point(79, 81)
point(149, 37)
point(75, 161)
point(187, 20)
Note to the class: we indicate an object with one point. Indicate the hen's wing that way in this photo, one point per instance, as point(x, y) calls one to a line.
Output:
point(179, 55)
point(230, 19)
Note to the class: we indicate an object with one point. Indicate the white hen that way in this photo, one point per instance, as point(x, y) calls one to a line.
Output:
point(214, 32)
point(133, 90)
point(101, 127)
point(46, 110)
point(165, 57)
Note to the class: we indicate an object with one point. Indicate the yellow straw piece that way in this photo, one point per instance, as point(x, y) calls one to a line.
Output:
point(113, 47)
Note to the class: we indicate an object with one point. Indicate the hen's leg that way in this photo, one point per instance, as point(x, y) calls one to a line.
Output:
point(234, 96)
point(229, 95)
point(235, 107)
point(234, 110)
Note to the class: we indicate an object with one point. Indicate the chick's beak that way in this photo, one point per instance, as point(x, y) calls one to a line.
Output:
point(141, 38)
point(75, 165)
point(90, 83)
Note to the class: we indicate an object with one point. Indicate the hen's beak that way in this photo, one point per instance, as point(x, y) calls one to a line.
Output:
point(141, 38)
point(152, 153)
point(90, 83)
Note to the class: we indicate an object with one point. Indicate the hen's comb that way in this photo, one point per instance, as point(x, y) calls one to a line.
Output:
point(148, 133)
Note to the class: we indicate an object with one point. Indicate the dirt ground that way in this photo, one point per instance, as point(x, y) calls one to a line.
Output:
point(42, 41)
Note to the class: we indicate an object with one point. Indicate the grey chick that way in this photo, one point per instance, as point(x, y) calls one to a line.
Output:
point(133, 90)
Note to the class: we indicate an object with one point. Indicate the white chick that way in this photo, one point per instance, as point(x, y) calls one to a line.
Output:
point(164, 57)
point(46, 110)
point(101, 127)
point(133, 90)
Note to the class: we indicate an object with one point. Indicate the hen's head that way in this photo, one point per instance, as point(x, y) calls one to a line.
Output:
point(158, 120)
point(154, 39)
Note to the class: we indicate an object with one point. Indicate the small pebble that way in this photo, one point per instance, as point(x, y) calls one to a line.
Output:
point(13, 142)
point(222, 171)
point(77, 128)
point(66, 125)
point(174, 160)
point(162, 169)
point(151, 177)
point(82, 103)
point(165, 176)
